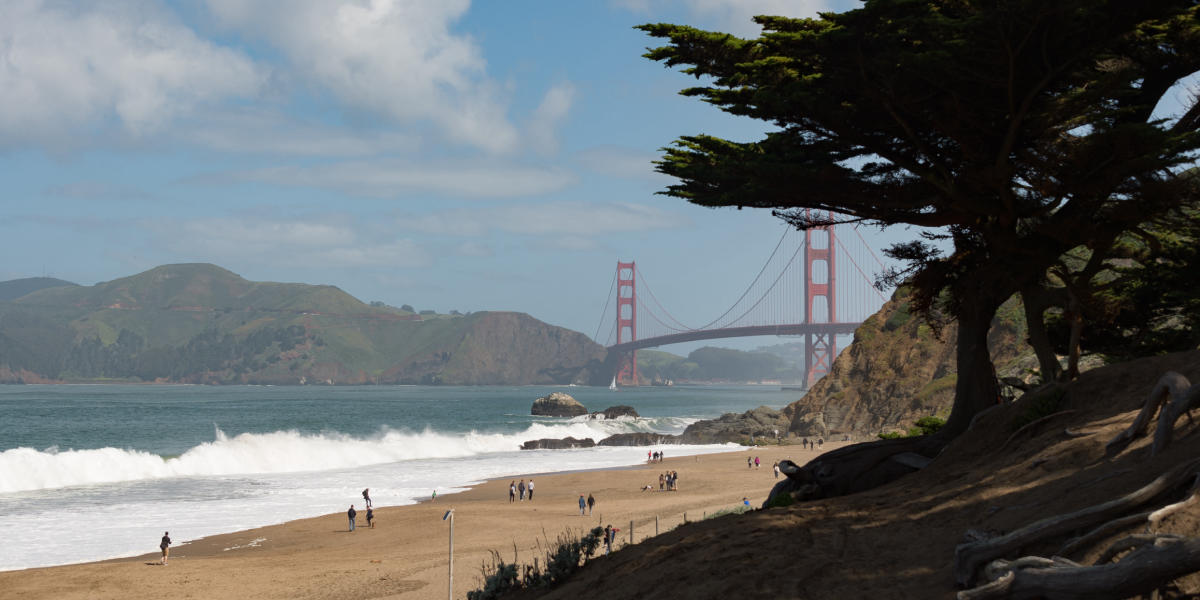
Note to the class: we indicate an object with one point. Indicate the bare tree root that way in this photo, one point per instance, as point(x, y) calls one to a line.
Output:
point(1182, 395)
point(1033, 424)
point(1101, 532)
point(1155, 563)
point(1157, 516)
point(969, 557)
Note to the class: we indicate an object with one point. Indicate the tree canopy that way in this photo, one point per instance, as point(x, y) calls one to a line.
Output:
point(1019, 129)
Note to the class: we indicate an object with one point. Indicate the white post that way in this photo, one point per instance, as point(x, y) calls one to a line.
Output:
point(450, 581)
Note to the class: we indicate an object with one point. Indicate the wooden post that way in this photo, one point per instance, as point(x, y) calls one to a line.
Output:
point(631, 532)
point(685, 517)
point(656, 525)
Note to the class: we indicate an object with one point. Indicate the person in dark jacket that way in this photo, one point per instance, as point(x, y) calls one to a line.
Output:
point(351, 514)
point(165, 546)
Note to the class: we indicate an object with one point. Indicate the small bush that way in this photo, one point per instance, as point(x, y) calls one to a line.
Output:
point(563, 559)
point(1044, 402)
point(781, 500)
point(923, 426)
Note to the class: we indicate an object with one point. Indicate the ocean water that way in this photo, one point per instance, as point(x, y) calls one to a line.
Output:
point(89, 472)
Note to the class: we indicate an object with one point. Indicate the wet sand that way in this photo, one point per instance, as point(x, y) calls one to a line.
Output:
point(405, 555)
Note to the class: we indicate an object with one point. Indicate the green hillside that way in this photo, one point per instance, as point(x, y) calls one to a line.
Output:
point(715, 364)
point(11, 290)
point(203, 324)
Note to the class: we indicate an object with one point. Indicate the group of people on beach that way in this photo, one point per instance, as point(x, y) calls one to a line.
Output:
point(517, 490)
point(655, 456)
point(818, 443)
point(351, 514)
point(668, 481)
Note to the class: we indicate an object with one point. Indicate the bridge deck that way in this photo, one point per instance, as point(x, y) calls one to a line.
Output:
point(712, 334)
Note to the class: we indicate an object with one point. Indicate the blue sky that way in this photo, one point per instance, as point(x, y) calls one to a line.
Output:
point(445, 154)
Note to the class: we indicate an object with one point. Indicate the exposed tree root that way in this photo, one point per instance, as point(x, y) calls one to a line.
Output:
point(1176, 395)
point(1101, 532)
point(1033, 424)
point(969, 557)
point(1156, 561)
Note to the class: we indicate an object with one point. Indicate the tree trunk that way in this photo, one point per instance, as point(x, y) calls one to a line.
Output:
point(976, 388)
point(1074, 310)
point(1034, 300)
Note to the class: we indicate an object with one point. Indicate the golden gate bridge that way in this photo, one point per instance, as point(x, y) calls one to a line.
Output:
point(797, 292)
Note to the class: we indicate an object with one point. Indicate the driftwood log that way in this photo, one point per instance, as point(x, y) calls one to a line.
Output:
point(855, 468)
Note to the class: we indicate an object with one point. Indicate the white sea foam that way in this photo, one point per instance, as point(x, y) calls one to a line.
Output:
point(28, 469)
point(111, 520)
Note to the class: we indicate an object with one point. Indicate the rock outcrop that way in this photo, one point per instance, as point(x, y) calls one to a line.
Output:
point(898, 370)
point(557, 404)
point(639, 439)
point(614, 412)
point(558, 444)
point(762, 422)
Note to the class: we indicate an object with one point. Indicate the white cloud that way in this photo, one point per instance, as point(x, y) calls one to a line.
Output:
point(391, 58)
point(394, 177)
point(553, 109)
point(253, 131)
point(558, 220)
point(626, 163)
point(64, 67)
point(318, 242)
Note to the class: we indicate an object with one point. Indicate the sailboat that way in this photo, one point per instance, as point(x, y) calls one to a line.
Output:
point(613, 386)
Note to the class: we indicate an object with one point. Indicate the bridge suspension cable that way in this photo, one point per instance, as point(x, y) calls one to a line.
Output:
point(604, 313)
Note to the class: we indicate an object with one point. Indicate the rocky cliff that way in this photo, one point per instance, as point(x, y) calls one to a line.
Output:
point(897, 370)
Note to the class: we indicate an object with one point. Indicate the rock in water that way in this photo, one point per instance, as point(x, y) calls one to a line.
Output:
point(613, 412)
point(557, 404)
point(558, 444)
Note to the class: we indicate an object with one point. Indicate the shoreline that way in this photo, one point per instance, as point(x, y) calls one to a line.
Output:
point(404, 556)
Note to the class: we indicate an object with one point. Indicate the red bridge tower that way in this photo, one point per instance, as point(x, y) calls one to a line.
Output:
point(626, 321)
point(819, 348)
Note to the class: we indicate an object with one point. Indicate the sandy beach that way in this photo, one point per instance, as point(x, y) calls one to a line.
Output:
point(405, 555)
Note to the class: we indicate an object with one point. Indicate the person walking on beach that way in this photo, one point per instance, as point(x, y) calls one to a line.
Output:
point(776, 467)
point(755, 462)
point(749, 462)
point(591, 502)
point(351, 514)
point(662, 481)
point(531, 490)
point(512, 491)
point(370, 518)
point(521, 489)
point(367, 497)
point(165, 546)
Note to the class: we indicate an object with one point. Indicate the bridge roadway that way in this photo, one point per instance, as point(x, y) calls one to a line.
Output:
point(753, 330)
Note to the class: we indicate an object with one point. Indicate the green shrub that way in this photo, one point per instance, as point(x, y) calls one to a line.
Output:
point(1040, 403)
point(923, 426)
point(781, 500)
point(562, 559)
